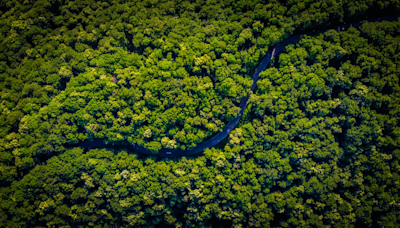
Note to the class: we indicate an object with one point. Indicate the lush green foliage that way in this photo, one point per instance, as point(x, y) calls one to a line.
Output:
point(171, 73)
point(319, 145)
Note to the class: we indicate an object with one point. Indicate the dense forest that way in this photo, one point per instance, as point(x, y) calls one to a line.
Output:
point(318, 145)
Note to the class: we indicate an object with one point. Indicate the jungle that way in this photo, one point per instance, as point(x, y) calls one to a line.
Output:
point(312, 140)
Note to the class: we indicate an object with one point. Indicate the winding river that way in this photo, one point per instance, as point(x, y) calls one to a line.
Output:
point(232, 124)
